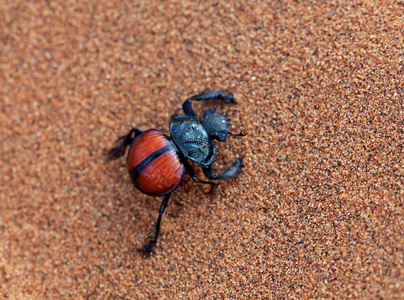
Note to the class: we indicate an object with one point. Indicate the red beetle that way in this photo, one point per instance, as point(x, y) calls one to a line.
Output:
point(156, 163)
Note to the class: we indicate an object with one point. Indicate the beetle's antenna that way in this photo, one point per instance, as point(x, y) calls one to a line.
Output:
point(242, 133)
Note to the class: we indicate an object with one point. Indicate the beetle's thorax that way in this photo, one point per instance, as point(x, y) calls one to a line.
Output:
point(192, 140)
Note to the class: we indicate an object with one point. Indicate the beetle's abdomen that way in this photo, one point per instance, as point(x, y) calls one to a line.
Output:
point(153, 164)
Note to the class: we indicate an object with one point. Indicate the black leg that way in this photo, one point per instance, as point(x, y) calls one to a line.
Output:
point(191, 173)
point(158, 223)
point(229, 173)
point(226, 97)
point(187, 106)
point(123, 142)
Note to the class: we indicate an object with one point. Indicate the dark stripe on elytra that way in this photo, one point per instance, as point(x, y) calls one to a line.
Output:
point(137, 170)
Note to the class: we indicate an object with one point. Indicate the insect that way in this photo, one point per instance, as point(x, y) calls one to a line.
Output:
point(156, 163)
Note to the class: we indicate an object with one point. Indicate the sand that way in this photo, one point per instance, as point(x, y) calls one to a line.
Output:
point(318, 211)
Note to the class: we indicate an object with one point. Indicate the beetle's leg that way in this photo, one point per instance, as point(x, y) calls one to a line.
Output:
point(158, 223)
point(122, 142)
point(187, 106)
point(229, 173)
point(191, 173)
point(226, 97)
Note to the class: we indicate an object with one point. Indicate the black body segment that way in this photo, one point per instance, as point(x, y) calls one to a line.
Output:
point(192, 140)
point(216, 125)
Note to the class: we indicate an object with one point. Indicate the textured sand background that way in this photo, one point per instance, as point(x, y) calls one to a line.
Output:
point(318, 211)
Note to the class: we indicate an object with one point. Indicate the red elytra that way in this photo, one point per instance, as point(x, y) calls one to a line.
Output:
point(153, 164)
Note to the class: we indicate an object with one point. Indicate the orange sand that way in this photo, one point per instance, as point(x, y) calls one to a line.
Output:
point(318, 211)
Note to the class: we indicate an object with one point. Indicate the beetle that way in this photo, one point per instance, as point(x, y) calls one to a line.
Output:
point(156, 162)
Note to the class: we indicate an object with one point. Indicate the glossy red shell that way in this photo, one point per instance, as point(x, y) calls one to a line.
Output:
point(153, 164)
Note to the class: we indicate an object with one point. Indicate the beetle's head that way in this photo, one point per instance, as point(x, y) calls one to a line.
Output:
point(215, 124)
